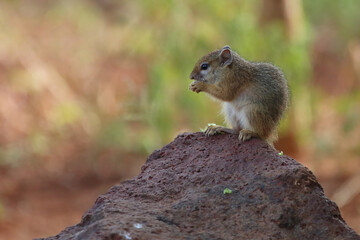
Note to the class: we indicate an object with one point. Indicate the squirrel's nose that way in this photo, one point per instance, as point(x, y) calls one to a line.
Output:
point(192, 76)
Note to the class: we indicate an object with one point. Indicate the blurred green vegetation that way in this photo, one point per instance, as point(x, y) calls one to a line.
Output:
point(94, 75)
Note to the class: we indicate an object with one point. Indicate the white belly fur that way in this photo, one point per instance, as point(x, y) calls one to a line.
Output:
point(235, 113)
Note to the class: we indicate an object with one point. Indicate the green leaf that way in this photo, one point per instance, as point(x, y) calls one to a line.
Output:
point(227, 191)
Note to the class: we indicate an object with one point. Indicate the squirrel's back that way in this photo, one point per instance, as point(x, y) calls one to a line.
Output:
point(271, 88)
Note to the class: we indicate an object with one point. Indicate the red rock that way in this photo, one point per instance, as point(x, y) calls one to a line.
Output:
point(179, 195)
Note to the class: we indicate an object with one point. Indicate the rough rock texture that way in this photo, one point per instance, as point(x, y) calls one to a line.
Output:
point(180, 195)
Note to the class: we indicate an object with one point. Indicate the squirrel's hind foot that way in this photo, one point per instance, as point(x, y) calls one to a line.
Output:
point(245, 135)
point(213, 129)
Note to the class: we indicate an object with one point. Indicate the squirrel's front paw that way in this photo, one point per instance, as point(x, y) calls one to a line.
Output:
point(196, 86)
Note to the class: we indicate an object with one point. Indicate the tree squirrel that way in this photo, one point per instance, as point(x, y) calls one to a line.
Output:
point(255, 95)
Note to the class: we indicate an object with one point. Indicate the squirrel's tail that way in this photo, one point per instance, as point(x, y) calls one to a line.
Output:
point(273, 137)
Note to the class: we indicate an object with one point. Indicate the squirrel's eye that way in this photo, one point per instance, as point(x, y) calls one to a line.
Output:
point(204, 66)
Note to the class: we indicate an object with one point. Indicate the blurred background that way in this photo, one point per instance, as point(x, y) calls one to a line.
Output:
point(89, 88)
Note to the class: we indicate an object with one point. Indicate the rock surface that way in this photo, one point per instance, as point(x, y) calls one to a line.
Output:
point(179, 194)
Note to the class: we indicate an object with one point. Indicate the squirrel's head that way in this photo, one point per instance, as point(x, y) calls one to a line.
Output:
point(213, 66)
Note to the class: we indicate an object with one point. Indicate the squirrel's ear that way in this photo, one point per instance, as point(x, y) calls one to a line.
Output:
point(226, 56)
